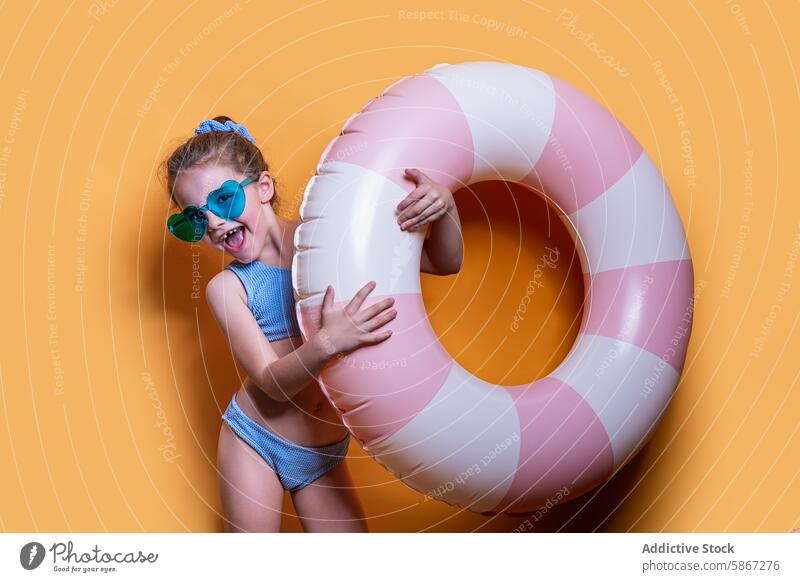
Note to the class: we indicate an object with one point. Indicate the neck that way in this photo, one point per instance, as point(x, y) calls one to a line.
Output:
point(276, 246)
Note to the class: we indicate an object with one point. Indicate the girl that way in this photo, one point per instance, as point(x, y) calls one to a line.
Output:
point(280, 432)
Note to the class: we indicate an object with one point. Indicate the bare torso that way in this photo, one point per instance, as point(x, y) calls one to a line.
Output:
point(308, 419)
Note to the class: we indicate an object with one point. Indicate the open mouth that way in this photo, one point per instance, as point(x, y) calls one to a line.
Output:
point(233, 240)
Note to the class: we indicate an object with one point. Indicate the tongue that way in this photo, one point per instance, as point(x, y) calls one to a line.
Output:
point(236, 239)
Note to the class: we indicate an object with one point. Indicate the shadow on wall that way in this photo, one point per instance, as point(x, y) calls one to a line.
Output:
point(203, 372)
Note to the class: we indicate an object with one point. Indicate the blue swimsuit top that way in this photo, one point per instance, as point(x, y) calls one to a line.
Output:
point(269, 296)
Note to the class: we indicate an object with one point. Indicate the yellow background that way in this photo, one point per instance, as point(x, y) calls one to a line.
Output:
point(113, 375)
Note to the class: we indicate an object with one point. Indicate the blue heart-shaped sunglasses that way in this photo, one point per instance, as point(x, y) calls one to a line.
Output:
point(227, 202)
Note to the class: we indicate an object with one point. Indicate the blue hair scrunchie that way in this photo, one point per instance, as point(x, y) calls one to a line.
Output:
point(210, 125)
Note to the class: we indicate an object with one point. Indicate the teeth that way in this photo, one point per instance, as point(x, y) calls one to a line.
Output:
point(230, 232)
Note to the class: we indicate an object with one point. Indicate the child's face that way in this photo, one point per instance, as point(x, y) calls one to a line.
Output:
point(192, 187)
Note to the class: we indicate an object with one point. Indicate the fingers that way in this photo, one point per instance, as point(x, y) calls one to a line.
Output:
point(424, 185)
point(327, 299)
point(358, 299)
point(417, 176)
point(416, 209)
point(416, 194)
point(421, 210)
point(430, 214)
point(377, 337)
point(375, 309)
point(379, 321)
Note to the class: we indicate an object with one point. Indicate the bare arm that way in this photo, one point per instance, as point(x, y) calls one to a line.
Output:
point(343, 330)
point(432, 203)
point(443, 250)
point(280, 378)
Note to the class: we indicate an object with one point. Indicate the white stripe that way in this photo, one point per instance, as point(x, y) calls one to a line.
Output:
point(634, 223)
point(349, 235)
point(510, 112)
point(462, 448)
point(627, 387)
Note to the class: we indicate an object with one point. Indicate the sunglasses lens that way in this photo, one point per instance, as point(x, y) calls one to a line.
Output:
point(228, 201)
point(189, 225)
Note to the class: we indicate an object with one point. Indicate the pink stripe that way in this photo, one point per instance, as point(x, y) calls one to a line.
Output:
point(587, 152)
point(378, 389)
point(563, 445)
point(646, 305)
point(416, 123)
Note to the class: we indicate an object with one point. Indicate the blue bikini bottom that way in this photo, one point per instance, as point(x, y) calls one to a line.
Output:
point(296, 466)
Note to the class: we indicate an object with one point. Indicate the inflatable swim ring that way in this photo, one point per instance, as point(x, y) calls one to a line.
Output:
point(438, 428)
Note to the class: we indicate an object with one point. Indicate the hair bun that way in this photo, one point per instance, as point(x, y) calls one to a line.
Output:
point(209, 125)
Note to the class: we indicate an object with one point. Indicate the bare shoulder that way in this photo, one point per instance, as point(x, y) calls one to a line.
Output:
point(225, 285)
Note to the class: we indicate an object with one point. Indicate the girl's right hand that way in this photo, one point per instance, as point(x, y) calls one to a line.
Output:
point(344, 330)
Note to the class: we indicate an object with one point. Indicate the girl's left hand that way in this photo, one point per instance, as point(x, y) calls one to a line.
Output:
point(428, 202)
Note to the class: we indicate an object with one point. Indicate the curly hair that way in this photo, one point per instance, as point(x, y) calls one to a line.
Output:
point(225, 148)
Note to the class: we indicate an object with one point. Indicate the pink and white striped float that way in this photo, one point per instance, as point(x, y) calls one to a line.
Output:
point(435, 426)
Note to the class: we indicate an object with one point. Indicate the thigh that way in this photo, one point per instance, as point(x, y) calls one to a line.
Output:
point(330, 503)
point(251, 494)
